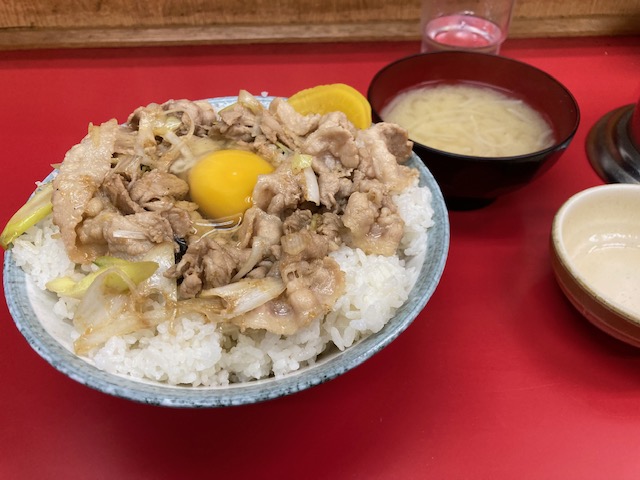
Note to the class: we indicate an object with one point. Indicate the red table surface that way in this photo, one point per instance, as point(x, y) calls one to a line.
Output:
point(498, 378)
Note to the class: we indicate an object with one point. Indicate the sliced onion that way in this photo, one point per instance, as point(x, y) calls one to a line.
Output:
point(163, 255)
point(312, 189)
point(258, 249)
point(247, 294)
point(213, 308)
point(145, 137)
point(173, 123)
point(178, 143)
point(249, 101)
point(221, 223)
point(275, 316)
point(103, 314)
point(162, 125)
point(114, 305)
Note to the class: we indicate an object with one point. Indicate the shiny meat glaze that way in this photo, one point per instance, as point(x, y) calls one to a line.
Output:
point(122, 190)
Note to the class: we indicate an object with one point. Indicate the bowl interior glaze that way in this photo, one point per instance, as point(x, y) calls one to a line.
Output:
point(595, 243)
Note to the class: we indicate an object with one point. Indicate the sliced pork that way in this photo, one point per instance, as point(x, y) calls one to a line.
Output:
point(123, 190)
point(81, 174)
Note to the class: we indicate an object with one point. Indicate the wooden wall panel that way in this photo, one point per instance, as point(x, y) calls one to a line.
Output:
point(78, 23)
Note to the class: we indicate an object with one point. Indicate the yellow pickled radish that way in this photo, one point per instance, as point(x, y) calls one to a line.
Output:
point(335, 97)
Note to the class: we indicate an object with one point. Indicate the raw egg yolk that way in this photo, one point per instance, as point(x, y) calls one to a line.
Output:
point(221, 183)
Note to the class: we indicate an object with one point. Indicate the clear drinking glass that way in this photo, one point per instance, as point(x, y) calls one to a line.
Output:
point(472, 25)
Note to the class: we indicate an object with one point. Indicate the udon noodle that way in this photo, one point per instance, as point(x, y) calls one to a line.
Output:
point(469, 120)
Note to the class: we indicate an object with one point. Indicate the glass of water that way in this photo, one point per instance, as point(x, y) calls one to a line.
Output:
point(472, 25)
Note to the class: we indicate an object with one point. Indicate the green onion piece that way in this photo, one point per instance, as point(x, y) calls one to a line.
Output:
point(36, 208)
point(300, 161)
point(137, 272)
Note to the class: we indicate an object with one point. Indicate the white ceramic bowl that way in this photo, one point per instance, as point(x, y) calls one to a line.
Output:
point(31, 308)
point(595, 244)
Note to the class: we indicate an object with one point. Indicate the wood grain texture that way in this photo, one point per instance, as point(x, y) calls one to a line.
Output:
point(95, 23)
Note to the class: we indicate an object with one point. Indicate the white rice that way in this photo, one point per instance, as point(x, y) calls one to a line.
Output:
point(190, 351)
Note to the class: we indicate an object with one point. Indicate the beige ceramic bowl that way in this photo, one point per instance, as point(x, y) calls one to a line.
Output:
point(595, 244)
